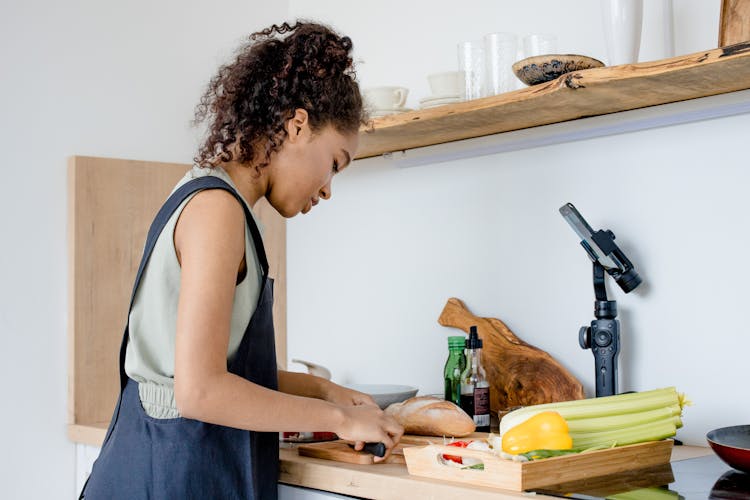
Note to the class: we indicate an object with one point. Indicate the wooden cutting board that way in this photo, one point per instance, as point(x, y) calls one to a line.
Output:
point(340, 450)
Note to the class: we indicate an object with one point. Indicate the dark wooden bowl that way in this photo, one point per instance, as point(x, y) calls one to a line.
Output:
point(540, 69)
point(732, 444)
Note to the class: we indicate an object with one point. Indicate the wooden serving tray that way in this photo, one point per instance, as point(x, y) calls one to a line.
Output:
point(518, 476)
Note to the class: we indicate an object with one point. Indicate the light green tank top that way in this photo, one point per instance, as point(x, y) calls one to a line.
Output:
point(149, 358)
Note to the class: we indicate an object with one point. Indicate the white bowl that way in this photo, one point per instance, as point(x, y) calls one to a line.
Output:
point(386, 394)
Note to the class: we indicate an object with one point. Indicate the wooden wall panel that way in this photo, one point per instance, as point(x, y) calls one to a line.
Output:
point(111, 204)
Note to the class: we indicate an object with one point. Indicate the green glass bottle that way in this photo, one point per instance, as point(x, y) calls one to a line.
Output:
point(454, 367)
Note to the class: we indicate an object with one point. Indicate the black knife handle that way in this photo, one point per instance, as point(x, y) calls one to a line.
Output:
point(377, 449)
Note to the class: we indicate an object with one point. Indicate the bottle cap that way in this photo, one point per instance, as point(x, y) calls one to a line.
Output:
point(456, 341)
point(473, 342)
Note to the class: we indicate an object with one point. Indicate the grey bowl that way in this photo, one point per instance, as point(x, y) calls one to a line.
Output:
point(386, 394)
point(540, 69)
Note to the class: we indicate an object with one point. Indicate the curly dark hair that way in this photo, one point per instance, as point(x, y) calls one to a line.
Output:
point(277, 71)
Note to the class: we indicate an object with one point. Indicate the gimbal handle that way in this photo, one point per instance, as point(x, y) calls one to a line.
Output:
point(603, 337)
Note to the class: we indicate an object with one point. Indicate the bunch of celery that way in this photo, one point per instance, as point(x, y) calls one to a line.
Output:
point(613, 420)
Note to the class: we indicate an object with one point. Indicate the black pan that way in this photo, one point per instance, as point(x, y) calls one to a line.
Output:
point(732, 444)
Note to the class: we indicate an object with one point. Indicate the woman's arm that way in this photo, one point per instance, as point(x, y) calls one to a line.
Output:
point(210, 244)
point(304, 384)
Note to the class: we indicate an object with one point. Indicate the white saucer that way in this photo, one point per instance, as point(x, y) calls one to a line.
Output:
point(432, 102)
point(439, 97)
point(375, 113)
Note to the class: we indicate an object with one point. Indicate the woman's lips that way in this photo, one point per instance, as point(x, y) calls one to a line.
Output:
point(310, 204)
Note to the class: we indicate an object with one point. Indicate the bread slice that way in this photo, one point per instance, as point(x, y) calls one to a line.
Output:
point(431, 416)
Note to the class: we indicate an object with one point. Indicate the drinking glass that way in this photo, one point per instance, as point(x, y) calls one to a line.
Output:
point(471, 62)
point(539, 44)
point(500, 51)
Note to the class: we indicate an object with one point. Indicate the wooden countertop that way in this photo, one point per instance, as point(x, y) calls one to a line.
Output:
point(392, 481)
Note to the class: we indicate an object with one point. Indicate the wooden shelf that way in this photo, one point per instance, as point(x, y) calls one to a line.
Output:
point(580, 94)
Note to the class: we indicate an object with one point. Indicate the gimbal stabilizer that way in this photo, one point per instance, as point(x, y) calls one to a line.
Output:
point(603, 336)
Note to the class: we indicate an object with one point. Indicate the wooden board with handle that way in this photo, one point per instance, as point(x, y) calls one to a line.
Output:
point(518, 476)
point(734, 25)
point(519, 373)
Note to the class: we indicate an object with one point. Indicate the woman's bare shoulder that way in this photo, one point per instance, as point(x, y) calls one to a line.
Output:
point(212, 221)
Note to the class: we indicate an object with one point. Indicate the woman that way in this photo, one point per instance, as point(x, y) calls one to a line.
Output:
point(197, 363)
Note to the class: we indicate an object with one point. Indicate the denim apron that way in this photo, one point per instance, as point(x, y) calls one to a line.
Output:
point(183, 459)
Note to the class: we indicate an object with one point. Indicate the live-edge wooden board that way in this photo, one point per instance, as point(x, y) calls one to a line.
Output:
point(111, 203)
point(575, 95)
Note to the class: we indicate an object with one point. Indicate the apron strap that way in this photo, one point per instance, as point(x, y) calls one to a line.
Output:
point(165, 212)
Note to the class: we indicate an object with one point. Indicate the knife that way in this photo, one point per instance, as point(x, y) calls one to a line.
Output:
point(377, 449)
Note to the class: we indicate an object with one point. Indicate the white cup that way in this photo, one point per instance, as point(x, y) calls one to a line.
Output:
point(385, 98)
point(447, 83)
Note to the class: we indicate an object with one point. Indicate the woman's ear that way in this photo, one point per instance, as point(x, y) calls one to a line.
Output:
point(298, 126)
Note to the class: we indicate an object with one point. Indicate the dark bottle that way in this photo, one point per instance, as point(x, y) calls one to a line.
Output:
point(454, 367)
point(475, 390)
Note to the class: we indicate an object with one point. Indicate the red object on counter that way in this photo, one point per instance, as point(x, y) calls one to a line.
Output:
point(732, 444)
point(458, 444)
point(308, 437)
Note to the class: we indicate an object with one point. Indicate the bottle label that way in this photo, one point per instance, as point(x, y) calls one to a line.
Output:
point(482, 406)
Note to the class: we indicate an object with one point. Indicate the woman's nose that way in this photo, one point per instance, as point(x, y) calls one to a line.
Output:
point(325, 191)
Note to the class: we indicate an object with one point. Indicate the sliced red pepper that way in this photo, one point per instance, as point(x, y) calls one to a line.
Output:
point(456, 458)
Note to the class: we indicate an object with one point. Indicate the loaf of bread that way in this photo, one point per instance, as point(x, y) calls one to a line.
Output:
point(431, 416)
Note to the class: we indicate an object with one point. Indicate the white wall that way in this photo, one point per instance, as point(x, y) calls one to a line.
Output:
point(370, 271)
point(89, 77)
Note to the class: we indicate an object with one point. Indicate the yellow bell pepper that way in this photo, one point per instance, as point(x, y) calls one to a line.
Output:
point(544, 431)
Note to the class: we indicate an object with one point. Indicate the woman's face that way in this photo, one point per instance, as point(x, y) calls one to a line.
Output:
point(300, 174)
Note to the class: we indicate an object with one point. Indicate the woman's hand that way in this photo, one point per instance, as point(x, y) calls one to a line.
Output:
point(367, 423)
point(345, 397)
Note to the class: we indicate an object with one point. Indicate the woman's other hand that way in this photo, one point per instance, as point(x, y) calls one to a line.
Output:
point(367, 423)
